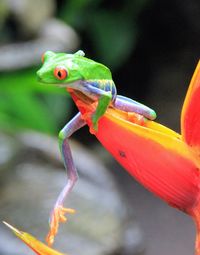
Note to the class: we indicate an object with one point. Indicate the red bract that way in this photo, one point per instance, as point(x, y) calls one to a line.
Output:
point(164, 161)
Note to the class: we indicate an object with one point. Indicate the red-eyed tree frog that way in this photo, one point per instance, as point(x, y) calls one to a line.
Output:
point(93, 81)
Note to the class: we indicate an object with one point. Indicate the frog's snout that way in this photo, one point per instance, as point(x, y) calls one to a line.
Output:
point(39, 74)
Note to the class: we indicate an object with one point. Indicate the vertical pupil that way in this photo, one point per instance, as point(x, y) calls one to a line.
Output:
point(59, 74)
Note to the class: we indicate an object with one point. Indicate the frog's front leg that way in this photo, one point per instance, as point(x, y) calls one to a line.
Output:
point(104, 99)
point(128, 105)
point(58, 212)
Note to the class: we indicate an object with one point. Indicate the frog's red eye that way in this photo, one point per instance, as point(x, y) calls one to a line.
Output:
point(60, 73)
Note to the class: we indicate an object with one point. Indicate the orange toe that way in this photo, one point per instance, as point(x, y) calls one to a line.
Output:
point(57, 217)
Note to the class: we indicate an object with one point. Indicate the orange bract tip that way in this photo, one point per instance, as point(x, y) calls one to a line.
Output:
point(38, 247)
point(15, 230)
point(190, 117)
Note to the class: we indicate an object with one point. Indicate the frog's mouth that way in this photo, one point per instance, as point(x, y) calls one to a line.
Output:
point(72, 85)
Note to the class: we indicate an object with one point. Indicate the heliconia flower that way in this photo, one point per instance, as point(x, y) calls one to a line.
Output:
point(165, 162)
point(37, 246)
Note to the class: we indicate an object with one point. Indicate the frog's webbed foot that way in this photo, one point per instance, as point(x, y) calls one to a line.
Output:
point(136, 118)
point(57, 216)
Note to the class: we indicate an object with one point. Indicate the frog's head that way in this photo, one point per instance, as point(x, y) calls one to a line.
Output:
point(65, 69)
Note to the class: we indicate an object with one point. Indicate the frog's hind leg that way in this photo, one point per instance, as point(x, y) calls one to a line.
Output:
point(58, 212)
point(128, 105)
